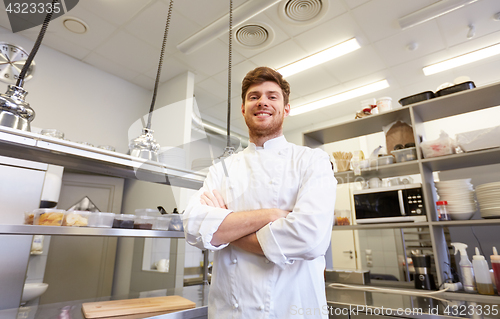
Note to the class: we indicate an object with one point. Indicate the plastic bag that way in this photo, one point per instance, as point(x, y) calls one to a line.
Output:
point(444, 145)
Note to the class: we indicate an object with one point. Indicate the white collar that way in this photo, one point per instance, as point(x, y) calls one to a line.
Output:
point(276, 143)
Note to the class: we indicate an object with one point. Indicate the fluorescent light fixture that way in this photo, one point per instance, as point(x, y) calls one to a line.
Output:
point(462, 59)
point(320, 57)
point(219, 27)
point(431, 12)
point(370, 88)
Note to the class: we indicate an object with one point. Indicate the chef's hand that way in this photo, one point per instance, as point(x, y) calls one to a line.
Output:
point(213, 200)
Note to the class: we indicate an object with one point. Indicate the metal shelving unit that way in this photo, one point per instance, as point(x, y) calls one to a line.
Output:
point(86, 231)
point(416, 115)
point(77, 157)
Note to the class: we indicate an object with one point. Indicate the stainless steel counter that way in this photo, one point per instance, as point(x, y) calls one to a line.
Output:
point(197, 294)
point(361, 304)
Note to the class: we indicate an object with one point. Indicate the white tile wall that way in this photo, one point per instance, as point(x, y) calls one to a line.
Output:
point(382, 244)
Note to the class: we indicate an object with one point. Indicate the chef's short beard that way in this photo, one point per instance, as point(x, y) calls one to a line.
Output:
point(274, 128)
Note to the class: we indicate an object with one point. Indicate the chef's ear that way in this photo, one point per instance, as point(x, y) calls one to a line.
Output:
point(243, 109)
point(287, 110)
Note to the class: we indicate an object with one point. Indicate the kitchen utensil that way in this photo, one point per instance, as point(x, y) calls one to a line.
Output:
point(147, 306)
point(343, 160)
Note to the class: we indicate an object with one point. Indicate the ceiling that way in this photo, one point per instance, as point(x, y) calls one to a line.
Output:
point(124, 38)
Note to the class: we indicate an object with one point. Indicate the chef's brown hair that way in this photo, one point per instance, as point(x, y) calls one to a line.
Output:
point(263, 74)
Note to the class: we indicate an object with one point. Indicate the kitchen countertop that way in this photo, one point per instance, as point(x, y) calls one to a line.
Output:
point(444, 305)
point(340, 301)
point(197, 294)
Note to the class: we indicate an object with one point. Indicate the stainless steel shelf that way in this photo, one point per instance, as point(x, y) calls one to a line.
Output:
point(86, 231)
point(77, 157)
point(359, 127)
point(381, 226)
point(475, 222)
point(463, 160)
point(458, 103)
point(396, 169)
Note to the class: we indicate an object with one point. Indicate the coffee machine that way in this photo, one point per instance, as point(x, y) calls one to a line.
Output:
point(423, 277)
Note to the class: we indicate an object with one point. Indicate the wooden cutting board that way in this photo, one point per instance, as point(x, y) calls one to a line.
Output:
point(136, 308)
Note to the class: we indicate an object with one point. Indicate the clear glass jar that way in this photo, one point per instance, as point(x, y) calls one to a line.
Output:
point(442, 210)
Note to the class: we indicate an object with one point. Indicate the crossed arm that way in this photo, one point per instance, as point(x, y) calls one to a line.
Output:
point(238, 228)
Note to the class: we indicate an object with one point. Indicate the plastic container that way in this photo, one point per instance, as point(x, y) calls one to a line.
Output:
point(382, 160)
point(456, 88)
point(124, 221)
point(147, 212)
point(442, 210)
point(427, 95)
point(52, 133)
point(479, 139)
point(76, 218)
point(342, 217)
point(482, 272)
point(107, 148)
point(495, 264)
point(405, 154)
point(29, 217)
point(48, 217)
point(144, 222)
point(384, 104)
point(162, 222)
point(99, 219)
point(176, 223)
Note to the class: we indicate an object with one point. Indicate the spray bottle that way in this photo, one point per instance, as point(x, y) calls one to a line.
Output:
point(465, 267)
point(482, 271)
point(495, 264)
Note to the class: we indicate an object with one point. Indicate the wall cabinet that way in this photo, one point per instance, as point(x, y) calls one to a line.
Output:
point(416, 115)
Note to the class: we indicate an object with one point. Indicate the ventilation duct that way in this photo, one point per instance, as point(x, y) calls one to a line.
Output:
point(254, 35)
point(218, 131)
point(214, 30)
point(302, 11)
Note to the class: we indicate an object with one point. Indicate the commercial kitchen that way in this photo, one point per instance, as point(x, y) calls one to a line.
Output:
point(112, 127)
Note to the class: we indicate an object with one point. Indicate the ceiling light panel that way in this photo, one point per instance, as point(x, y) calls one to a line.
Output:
point(320, 57)
point(462, 60)
point(431, 12)
point(344, 96)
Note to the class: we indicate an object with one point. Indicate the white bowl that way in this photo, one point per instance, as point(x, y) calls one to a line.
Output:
point(461, 216)
point(33, 290)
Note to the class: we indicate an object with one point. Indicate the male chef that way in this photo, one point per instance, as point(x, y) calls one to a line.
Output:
point(267, 212)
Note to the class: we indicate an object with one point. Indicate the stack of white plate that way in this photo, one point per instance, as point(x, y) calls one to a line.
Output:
point(488, 196)
point(459, 194)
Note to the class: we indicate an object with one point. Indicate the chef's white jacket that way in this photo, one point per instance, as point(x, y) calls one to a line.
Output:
point(288, 282)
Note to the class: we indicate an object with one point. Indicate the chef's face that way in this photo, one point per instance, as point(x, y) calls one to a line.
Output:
point(264, 109)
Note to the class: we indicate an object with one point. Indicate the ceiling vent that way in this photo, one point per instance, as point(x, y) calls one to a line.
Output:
point(303, 11)
point(254, 35)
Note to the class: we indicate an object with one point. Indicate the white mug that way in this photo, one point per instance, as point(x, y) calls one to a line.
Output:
point(375, 182)
point(162, 265)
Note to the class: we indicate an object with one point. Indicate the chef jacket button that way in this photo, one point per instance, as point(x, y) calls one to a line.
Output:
point(235, 261)
point(235, 305)
point(266, 261)
point(261, 307)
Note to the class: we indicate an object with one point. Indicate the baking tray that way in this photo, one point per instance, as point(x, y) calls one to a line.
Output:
point(416, 98)
point(456, 88)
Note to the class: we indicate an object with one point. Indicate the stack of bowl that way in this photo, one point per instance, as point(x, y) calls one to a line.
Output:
point(488, 196)
point(459, 194)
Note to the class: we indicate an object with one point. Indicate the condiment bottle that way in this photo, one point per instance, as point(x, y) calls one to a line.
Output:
point(442, 210)
point(483, 279)
point(495, 264)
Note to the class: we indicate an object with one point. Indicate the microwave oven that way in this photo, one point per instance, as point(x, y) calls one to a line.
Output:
point(400, 203)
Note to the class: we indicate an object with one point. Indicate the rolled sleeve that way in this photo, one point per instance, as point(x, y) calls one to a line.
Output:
point(305, 233)
point(202, 221)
